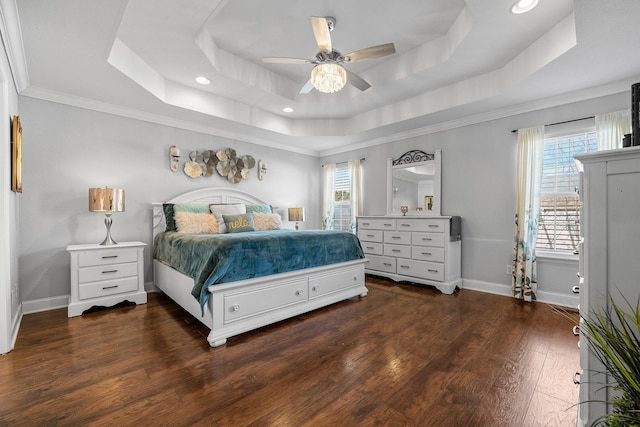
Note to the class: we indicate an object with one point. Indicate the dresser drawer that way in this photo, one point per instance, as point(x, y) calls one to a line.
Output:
point(381, 263)
point(421, 269)
point(401, 251)
point(107, 256)
point(426, 253)
point(370, 235)
point(428, 239)
point(323, 284)
point(107, 287)
point(421, 224)
point(252, 302)
point(372, 248)
point(376, 224)
point(107, 272)
point(397, 237)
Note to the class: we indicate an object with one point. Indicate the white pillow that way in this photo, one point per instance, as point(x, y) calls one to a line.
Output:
point(219, 210)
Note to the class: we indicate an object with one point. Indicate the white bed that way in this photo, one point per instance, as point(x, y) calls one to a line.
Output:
point(241, 306)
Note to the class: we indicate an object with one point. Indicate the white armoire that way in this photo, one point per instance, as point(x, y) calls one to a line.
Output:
point(609, 254)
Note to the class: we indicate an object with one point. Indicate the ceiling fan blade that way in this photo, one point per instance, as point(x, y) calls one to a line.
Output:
point(357, 81)
point(275, 60)
point(307, 87)
point(371, 52)
point(321, 33)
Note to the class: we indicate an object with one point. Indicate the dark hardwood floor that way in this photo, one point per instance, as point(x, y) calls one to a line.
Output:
point(402, 356)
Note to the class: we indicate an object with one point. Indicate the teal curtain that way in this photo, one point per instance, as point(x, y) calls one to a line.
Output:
point(524, 283)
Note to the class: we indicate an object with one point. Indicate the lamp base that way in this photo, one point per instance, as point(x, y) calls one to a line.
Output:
point(108, 240)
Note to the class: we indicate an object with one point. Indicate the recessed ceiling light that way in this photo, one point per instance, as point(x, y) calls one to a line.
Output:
point(287, 110)
point(203, 80)
point(523, 6)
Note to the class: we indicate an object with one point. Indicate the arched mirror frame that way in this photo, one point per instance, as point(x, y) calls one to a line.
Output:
point(412, 159)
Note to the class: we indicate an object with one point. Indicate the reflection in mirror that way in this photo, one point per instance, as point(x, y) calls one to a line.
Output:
point(413, 180)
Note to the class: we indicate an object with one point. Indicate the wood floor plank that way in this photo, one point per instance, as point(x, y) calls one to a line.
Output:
point(405, 355)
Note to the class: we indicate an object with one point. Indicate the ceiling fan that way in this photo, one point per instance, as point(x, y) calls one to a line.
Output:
point(329, 75)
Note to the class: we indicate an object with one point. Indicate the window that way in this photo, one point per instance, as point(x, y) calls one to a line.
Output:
point(558, 228)
point(342, 199)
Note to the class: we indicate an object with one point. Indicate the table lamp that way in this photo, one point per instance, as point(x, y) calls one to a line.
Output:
point(107, 200)
point(296, 214)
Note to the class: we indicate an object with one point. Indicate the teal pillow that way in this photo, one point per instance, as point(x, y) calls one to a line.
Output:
point(169, 217)
point(259, 209)
point(239, 223)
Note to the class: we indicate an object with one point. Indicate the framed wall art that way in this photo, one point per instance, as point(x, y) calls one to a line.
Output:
point(16, 155)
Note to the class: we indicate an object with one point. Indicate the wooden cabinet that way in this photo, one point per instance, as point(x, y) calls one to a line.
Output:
point(423, 250)
point(610, 226)
point(106, 275)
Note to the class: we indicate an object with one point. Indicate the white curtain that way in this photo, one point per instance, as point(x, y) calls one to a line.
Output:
point(524, 283)
point(355, 175)
point(611, 128)
point(328, 196)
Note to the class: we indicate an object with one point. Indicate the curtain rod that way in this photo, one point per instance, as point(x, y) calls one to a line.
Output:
point(561, 123)
point(347, 161)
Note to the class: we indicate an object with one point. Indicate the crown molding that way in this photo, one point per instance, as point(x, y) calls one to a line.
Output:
point(13, 44)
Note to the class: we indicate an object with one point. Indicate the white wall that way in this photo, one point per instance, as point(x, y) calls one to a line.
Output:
point(67, 150)
point(10, 313)
point(479, 183)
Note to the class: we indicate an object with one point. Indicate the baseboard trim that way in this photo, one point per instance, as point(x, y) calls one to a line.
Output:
point(543, 296)
point(45, 304)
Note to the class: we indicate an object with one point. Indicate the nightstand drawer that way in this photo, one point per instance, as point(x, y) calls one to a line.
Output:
point(107, 256)
point(107, 287)
point(107, 272)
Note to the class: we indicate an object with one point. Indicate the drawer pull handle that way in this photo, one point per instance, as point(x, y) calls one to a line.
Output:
point(369, 247)
point(434, 226)
point(109, 256)
point(431, 270)
point(315, 288)
point(395, 250)
point(104, 288)
point(109, 271)
point(388, 225)
point(395, 237)
point(235, 308)
point(369, 235)
point(428, 239)
point(299, 292)
point(426, 253)
point(355, 278)
point(576, 330)
point(388, 264)
point(405, 225)
point(404, 266)
point(575, 289)
point(366, 223)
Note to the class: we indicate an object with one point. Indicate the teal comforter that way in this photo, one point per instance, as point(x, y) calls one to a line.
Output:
point(220, 258)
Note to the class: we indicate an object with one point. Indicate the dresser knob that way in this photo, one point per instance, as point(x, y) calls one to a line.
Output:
point(299, 292)
point(235, 308)
point(315, 288)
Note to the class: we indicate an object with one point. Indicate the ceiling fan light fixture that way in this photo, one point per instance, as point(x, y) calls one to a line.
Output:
point(328, 77)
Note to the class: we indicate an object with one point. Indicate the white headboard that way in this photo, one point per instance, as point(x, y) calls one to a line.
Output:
point(202, 196)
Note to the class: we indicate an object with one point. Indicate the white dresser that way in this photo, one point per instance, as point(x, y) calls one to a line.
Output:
point(610, 226)
point(416, 249)
point(106, 275)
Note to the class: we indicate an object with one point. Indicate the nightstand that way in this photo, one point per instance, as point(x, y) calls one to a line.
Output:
point(106, 275)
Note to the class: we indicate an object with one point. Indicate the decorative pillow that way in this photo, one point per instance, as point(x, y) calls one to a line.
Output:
point(194, 219)
point(169, 217)
point(264, 221)
point(239, 223)
point(259, 208)
point(219, 210)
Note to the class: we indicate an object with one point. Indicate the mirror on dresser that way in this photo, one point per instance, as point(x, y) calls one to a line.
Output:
point(413, 180)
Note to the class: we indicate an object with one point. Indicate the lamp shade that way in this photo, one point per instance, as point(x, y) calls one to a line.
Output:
point(296, 214)
point(106, 199)
point(328, 77)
